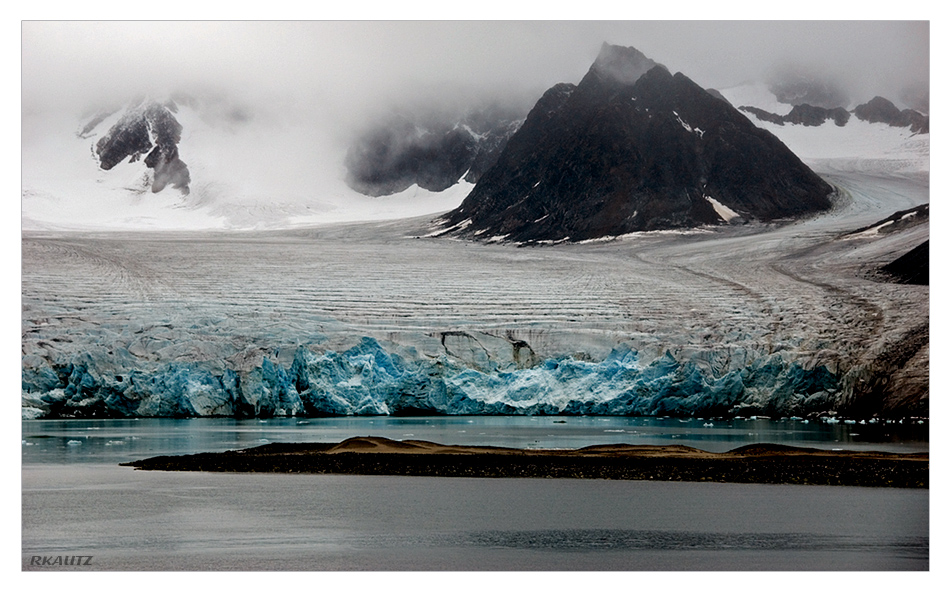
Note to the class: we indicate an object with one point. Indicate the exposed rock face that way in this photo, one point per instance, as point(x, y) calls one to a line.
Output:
point(895, 380)
point(718, 95)
point(802, 115)
point(620, 65)
point(632, 148)
point(431, 151)
point(898, 221)
point(877, 110)
point(763, 115)
point(149, 129)
point(815, 116)
point(880, 110)
point(917, 97)
point(912, 267)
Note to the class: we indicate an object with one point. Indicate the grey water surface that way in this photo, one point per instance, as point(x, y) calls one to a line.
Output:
point(77, 501)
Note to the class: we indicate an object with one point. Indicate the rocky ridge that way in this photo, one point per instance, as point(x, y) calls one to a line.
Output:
point(802, 115)
point(877, 110)
point(880, 110)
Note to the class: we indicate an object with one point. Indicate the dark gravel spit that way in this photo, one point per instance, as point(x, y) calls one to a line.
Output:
point(773, 464)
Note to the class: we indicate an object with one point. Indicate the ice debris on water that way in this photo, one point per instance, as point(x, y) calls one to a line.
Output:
point(369, 380)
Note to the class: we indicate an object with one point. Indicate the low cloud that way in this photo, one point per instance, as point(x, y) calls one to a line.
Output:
point(356, 65)
point(335, 77)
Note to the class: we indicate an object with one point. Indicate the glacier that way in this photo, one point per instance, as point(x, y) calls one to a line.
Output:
point(376, 318)
point(369, 380)
point(364, 317)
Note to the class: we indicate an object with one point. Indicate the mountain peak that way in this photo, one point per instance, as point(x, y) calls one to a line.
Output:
point(881, 110)
point(634, 148)
point(621, 64)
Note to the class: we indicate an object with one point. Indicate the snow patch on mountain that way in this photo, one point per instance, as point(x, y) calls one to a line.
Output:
point(724, 212)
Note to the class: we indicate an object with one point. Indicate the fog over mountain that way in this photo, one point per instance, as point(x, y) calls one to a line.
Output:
point(342, 69)
point(321, 81)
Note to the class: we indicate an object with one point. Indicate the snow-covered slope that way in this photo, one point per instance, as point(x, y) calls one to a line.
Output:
point(248, 170)
point(856, 146)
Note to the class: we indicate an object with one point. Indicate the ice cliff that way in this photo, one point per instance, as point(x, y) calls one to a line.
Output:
point(369, 380)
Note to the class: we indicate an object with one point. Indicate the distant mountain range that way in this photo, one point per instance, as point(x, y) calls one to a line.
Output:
point(877, 110)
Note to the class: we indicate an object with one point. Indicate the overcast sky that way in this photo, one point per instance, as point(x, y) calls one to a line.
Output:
point(340, 68)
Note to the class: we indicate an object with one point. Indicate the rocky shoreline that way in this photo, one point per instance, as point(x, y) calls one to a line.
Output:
point(758, 463)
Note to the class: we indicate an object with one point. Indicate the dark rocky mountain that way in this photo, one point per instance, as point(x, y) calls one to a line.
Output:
point(633, 147)
point(877, 110)
point(901, 220)
point(718, 95)
point(803, 115)
point(147, 128)
point(763, 115)
point(880, 110)
point(917, 97)
point(431, 150)
point(911, 268)
point(814, 116)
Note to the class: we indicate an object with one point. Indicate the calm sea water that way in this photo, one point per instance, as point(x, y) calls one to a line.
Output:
point(77, 501)
point(117, 441)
